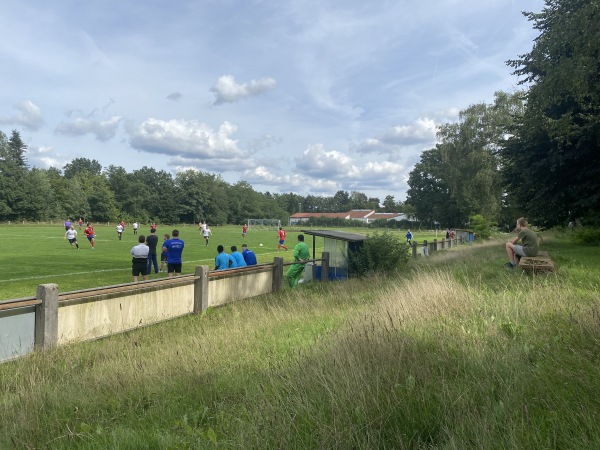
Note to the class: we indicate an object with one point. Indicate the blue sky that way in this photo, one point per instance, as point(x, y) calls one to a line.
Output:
point(299, 96)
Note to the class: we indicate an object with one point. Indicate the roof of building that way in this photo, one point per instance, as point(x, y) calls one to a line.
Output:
point(338, 235)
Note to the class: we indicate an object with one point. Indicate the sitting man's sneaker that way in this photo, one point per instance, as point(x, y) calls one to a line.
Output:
point(510, 265)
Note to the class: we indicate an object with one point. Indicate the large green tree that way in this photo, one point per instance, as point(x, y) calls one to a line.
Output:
point(551, 163)
point(460, 176)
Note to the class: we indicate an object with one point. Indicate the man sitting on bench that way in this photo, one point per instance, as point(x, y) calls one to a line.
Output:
point(528, 247)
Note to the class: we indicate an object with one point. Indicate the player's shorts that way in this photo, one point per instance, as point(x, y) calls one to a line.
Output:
point(163, 257)
point(281, 241)
point(91, 237)
point(139, 269)
point(172, 267)
point(72, 241)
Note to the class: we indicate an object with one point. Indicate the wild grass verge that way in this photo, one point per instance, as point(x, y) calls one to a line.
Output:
point(454, 353)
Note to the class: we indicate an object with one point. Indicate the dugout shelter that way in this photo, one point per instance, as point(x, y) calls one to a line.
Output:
point(338, 244)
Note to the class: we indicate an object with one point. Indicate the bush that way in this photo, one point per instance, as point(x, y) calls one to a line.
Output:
point(481, 226)
point(380, 253)
point(587, 236)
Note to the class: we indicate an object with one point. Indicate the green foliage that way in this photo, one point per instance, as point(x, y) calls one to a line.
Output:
point(587, 236)
point(481, 226)
point(380, 253)
point(460, 175)
point(551, 164)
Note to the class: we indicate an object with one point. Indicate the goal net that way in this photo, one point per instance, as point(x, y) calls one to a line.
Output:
point(264, 224)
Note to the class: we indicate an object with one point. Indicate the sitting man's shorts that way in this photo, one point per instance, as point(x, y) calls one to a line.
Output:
point(519, 250)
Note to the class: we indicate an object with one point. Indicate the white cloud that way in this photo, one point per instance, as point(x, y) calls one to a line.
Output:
point(102, 129)
point(226, 90)
point(30, 117)
point(43, 157)
point(318, 162)
point(188, 139)
point(421, 133)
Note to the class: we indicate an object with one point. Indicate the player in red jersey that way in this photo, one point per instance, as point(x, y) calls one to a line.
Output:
point(89, 233)
point(281, 236)
point(244, 230)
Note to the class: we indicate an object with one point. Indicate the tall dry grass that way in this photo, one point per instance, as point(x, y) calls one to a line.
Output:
point(453, 353)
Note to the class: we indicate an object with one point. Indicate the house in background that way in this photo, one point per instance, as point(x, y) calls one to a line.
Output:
point(363, 215)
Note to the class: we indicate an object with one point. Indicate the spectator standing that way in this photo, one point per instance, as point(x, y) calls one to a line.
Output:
point(71, 235)
point(174, 249)
point(301, 255)
point(152, 242)
point(409, 237)
point(163, 253)
point(139, 262)
point(248, 255)
point(238, 257)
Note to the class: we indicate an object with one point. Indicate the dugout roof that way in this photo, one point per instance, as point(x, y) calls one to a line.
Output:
point(337, 235)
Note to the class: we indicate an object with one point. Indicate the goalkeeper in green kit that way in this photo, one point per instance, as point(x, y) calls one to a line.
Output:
point(301, 254)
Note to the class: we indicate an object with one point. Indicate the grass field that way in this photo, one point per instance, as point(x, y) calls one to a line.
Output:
point(455, 352)
point(33, 255)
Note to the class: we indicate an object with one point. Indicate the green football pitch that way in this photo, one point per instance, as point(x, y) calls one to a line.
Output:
point(39, 254)
point(33, 255)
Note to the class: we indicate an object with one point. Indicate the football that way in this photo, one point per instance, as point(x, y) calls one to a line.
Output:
point(260, 245)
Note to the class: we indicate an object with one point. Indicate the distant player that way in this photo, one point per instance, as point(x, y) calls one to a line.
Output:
point(408, 237)
point(80, 223)
point(67, 224)
point(71, 235)
point(119, 231)
point(206, 232)
point(153, 227)
point(281, 236)
point(135, 227)
point(89, 233)
point(244, 230)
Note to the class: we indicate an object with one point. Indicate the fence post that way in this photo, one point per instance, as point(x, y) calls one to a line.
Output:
point(435, 245)
point(325, 266)
point(277, 274)
point(201, 289)
point(414, 250)
point(46, 316)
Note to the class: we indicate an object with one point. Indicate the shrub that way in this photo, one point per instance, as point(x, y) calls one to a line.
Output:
point(481, 226)
point(380, 253)
point(587, 236)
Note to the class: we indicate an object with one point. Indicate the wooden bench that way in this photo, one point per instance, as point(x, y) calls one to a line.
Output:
point(539, 263)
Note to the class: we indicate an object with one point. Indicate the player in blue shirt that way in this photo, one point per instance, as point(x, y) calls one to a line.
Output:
point(239, 258)
point(222, 259)
point(174, 248)
point(248, 255)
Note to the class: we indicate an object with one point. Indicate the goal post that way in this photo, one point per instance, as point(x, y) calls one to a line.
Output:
point(264, 224)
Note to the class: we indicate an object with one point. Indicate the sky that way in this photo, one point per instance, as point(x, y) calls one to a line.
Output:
point(302, 96)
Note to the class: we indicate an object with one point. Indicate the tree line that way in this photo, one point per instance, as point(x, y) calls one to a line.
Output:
point(83, 188)
point(533, 152)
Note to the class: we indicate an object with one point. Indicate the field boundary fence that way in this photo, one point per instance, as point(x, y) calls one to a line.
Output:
point(52, 318)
